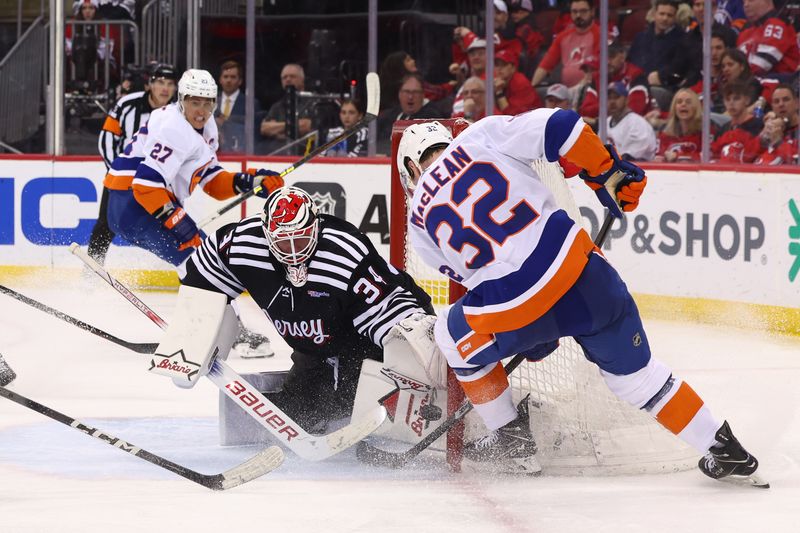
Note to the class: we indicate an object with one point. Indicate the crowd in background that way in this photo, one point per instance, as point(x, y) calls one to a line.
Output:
point(655, 61)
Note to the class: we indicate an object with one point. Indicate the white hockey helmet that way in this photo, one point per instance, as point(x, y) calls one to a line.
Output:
point(196, 82)
point(291, 225)
point(416, 139)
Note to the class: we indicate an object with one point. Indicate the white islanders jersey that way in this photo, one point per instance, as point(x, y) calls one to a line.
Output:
point(481, 215)
point(168, 153)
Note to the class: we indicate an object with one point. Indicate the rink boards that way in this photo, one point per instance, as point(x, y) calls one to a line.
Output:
point(717, 243)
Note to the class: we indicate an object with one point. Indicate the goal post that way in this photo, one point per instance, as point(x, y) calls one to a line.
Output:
point(579, 425)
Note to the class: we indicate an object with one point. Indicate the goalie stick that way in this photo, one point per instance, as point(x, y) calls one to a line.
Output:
point(258, 465)
point(373, 84)
point(134, 346)
point(255, 404)
point(375, 456)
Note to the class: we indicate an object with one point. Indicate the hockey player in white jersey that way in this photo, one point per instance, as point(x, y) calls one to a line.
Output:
point(166, 160)
point(480, 214)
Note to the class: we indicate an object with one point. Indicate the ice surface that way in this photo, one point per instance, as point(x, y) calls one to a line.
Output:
point(53, 479)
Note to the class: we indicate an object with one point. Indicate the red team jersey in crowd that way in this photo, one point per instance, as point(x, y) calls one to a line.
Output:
point(738, 144)
point(571, 49)
point(770, 45)
point(685, 147)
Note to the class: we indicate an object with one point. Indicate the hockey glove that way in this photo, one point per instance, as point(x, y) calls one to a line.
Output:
point(182, 226)
point(620, 187)
point(268, 179)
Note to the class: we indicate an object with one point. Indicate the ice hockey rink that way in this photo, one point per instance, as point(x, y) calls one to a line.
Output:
point(54, 479)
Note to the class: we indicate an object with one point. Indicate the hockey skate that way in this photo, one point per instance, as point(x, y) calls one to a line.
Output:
point(510, 449)
point(730, 461)
point(251, 345)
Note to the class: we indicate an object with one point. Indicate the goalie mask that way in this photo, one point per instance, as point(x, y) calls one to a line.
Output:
point(291, 225)
point(416, 140)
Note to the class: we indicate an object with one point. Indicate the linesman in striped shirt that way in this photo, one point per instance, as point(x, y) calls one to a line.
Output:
point(324, 287)
point(130, 113)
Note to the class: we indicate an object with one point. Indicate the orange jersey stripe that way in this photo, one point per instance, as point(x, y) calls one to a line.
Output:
point(588, 152)
point(487, 388)
point(152, 198)
point(111, 124)
point(541, 302)
point(680, 409)
point(117, 183)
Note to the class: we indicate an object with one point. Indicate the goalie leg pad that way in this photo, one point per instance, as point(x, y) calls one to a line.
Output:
point(204, 328)
point(407, 402)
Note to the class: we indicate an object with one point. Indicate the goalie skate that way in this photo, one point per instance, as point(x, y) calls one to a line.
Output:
point(510, 449)
point(251, 345)
point(730, 462)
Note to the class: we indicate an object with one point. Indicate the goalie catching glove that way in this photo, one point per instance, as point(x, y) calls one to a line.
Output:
point(619, 188)
point(269, 180)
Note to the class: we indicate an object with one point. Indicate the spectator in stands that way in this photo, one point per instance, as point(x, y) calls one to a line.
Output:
point(653, 48)
point(731, 14)
point(734, 141)
point(230, 112)
point(630, 133)
point(398, 64)
point(523, 28)
point(476, 55)
point(86, 45)
point(769, 42)
point(411, 104)
point(588, 101)
point(735, 68)
point(572, 46)
point(513, 93)
point(681, 139)
point(350, 113)
point(473, 94)
point(273, 126)
point(557, 96)
point(463, 37)
point(777, 142)
point(685, 69)
point(717, 51)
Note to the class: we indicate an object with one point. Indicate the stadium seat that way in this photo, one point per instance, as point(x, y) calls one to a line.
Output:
point(632, 24)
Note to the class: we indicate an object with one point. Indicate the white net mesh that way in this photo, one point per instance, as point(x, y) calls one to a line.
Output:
point(579, 425)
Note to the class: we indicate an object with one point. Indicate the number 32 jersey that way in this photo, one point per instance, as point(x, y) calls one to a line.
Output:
point(481, 215)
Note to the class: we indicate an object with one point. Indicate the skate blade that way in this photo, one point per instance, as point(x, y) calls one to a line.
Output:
point(753, 480)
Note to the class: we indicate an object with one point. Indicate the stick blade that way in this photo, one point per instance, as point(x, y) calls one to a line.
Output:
point(373, 94)
point(262, 463)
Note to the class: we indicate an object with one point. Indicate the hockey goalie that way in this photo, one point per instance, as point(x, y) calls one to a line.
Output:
point(360, 330)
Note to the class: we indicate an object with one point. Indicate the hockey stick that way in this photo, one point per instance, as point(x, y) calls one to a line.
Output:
point(135, 346)
point(258, 465)
point(255, 404)
point(373, 102)
point(373, 455)
point(119, 287)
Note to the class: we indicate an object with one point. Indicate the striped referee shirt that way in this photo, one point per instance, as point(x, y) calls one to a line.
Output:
point(125, 118)
point(351, 300)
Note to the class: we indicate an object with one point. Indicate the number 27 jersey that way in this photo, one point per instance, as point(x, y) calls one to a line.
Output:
point(481, 215)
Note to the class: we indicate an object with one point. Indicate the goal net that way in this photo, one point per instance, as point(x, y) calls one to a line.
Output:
point(579, 425)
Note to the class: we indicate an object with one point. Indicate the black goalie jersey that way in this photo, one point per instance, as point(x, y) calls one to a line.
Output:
point(351, 300)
